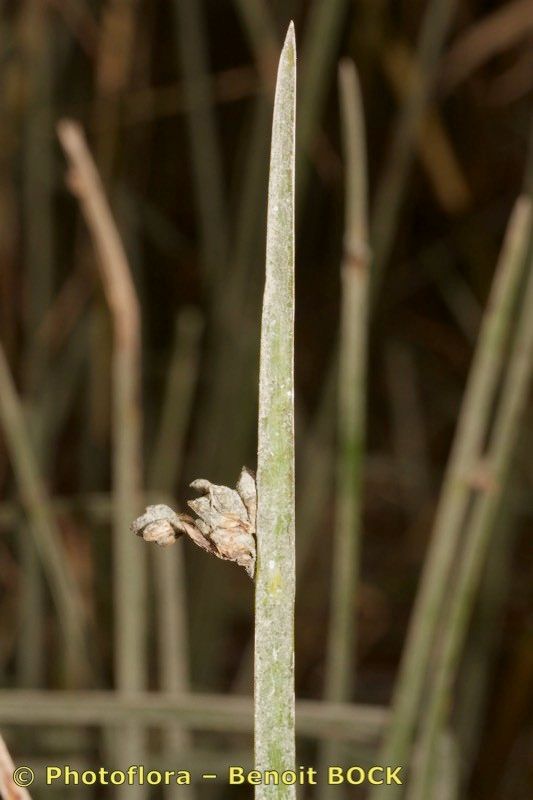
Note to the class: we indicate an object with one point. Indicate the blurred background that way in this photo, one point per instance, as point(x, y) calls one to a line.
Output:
point(176, 98)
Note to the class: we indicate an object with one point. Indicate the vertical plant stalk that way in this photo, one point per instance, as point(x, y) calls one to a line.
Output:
point(471, 431)
point(206, 156)
point(113, 61)
point(478, 535)
point(408, 428)
point(114, 58)
point(129, 561)
point(481, 650)
point(258, 20)
point(166, 462)
point(169, 566)
point(233, 346)
point(315, 484)
point(351, 407)
point(38, 177)
point(435, 25)
point(322, 35)
point(229, 350)
point(275, 575)
point(321, 38)
point(447, 782)
point(38, 185)
point(435, 148)
point(42, 523)
point(238, 305)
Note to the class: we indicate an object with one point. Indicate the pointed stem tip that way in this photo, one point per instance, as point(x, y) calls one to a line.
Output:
point(290, 38)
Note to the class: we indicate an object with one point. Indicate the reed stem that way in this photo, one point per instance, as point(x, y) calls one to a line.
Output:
point(275, 574)
point(129, 560)
point(42, 524)
point(206, 157)
point(351, 409)
point(437, 18)
point(203, 712)
point(471, 431)
point(477, 538)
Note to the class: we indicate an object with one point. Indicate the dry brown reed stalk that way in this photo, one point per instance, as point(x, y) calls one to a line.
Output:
point(9, 790)
point(435, 147)
point(495, 33)
point(157, 102)
point(113, 61)
point(128, 559)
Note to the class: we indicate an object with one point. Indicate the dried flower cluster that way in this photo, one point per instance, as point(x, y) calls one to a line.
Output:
point(225, 524)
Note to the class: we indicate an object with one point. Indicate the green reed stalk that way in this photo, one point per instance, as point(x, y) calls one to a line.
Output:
point(351, 407)
point(471, 431)
point(478, 536)
point(275, 576)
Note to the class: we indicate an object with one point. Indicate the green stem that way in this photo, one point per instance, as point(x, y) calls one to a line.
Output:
point(470, 434)
point(351, 409)
point(352, 393)
point(478, 537)
point(275, 578)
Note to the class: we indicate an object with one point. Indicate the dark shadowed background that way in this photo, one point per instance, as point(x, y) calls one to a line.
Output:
point(175, 98)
